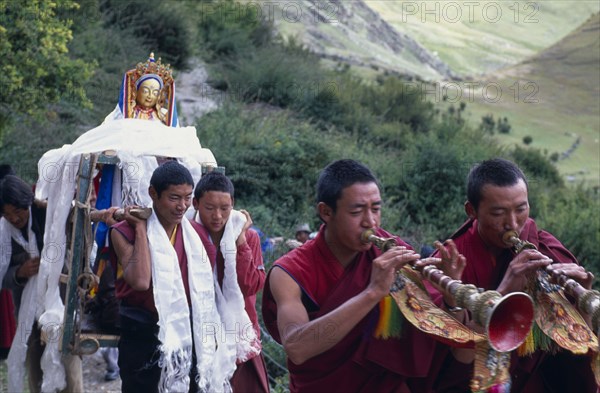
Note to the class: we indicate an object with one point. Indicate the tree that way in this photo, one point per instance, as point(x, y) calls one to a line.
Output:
point(527, 139)
point(35, 68)
point(488, 124)
point(503, 126)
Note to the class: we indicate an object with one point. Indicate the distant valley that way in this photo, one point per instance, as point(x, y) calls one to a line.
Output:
point(535, 63)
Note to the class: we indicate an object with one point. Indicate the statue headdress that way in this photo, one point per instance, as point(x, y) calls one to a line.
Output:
point(151, 69)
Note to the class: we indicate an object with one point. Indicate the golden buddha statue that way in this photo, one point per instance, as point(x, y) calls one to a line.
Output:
point(148, 92)
point(146, 100)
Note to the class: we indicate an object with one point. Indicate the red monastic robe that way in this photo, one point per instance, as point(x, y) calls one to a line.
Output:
point(145, 299)
point(359, 362)
point(8, 323)
point(540, 372)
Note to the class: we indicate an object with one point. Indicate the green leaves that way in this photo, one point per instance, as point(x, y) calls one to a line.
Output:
point(35, 68)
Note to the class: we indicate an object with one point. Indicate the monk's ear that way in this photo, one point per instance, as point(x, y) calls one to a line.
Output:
point(325, 212)
point(470, 210)
point(152, 193)
point(195, 203)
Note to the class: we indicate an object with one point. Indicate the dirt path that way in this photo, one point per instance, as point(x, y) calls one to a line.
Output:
point(94, 369)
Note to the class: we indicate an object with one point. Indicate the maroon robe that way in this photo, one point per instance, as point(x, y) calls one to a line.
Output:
point(250, 376)
point(540, 372)
point(8, 323)
point(145, 299)
point(359, 362)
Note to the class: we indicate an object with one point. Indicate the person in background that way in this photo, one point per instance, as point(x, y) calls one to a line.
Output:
point(301, 236)
point(303, 233)
point(24, 224)
point(214, 205)
point(8, 324)
point(266, 243)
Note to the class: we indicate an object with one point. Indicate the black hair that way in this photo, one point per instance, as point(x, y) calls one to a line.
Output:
point(6, 169)
point(213, 181)
point(498, 172)
point(171, 173)
point(339, 175)
point(15, 192)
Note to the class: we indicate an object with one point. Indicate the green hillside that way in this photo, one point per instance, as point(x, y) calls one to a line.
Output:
point(486, 35)
point(494, 55)
point(558, 103)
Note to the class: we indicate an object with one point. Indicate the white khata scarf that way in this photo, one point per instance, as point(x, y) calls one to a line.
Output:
point(175, 333)
point(240, 339)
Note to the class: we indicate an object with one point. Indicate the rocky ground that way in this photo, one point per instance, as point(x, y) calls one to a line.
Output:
point(194, 96)
point(94, 369)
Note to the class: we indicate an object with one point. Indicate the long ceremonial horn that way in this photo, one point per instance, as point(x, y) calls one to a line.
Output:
point(507, 319)
point(587, 300)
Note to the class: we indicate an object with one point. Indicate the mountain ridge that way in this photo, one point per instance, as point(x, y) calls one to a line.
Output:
point(384, 35)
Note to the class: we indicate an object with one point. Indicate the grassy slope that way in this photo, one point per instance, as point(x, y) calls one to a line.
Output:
point(568, 101)
point(463, 36)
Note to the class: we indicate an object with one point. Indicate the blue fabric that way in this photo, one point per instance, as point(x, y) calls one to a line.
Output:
point(174, 120)
point(104, 201)
point(122, 95)
point(265, 243)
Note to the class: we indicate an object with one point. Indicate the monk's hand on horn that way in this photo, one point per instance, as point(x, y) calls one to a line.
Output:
point(451, 262)
point(385, 267)
point(574, 271)
point(523, 266)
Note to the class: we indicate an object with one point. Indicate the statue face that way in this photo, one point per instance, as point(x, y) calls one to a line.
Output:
point(147, 93)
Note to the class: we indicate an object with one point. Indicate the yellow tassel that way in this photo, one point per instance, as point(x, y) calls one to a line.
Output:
point(390, 320)
point(385, 311)
point(528, 346)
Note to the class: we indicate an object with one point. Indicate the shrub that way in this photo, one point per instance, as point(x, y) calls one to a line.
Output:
point(164, 27)
point(273, 161)
point(227, 30)
point(488, 124)
point(537, 167)
point(430, 188)
point(283, 76)
point(503, 126)
point(573, 216)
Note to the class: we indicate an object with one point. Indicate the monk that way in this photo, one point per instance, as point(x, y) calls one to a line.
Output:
point(161, 276)
point(214, 202)
point(321, 300)
point(497, 202)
